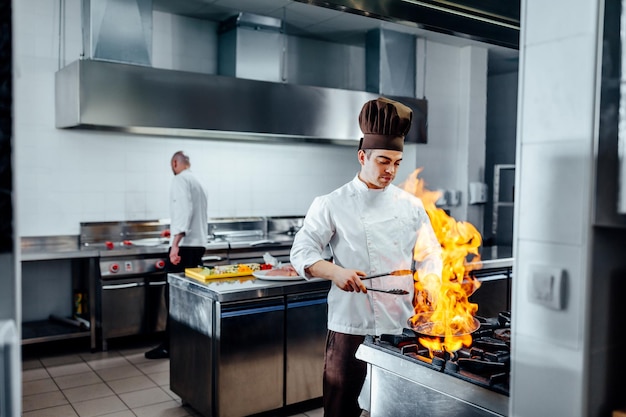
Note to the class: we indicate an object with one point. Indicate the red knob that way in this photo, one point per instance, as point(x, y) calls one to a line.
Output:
point(160, 264)
point(114, 268)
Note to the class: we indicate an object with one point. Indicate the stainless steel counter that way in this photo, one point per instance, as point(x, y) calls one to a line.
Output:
point(245, 288)
point(229, 332)
point(44, 248)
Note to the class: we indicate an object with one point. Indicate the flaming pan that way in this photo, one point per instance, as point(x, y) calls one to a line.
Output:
point(424, 327)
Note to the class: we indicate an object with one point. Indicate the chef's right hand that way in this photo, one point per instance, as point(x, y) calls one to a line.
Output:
point(174, 257)
point(349, 280)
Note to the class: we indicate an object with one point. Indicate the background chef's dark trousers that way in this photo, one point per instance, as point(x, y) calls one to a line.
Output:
point(190, 257)
point(344, 375)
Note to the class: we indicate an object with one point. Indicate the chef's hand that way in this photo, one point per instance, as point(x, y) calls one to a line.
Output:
point(174, 257)
point(349, 280)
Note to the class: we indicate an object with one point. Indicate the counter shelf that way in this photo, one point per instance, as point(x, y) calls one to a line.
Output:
point(37, 255)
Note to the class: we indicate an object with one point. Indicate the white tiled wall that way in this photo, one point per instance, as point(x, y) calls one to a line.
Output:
point(553, 210)
point(65, 177)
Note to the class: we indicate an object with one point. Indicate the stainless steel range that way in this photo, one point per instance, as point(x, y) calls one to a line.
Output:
point(131, 277)
point(473, 381)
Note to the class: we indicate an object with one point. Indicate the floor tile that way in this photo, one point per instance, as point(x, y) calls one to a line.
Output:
point(34, 374)
point(135, 383)
point(31, 364)
point(166, 409)
point(319, 412)
point(158, 365)
point(115, 383)
point(126, 413)
point(39, 386)
point(99, 406)
point(119, 372)
point(77, 380)
point(88, 392)
point(160, 378)
point(171, 393)
point(58, 411)
point(43, 400)
point(90, 356)
point(70, 369)
point(145, 397)
point(112, 362)
point(61, 360)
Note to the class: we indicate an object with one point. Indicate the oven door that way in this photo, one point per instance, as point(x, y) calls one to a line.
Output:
point(156, 308)
point(123, 307)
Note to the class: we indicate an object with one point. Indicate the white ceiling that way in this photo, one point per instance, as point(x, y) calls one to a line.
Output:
point(302, 19)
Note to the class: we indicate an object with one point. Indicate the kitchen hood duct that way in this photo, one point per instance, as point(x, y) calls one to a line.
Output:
point(118, 31)
point(93, 94)
point(496, 22)
point(390, 62)
point(252, 47)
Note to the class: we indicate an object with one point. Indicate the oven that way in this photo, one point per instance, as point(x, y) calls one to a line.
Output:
point(131, 294)
point(131, 278)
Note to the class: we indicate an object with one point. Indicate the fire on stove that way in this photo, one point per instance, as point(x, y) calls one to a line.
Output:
point(485, 362)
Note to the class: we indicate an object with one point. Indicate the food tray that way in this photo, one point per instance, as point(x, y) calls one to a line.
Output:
point(202, 274)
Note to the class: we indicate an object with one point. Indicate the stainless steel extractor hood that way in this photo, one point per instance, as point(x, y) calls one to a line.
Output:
point(93, 94)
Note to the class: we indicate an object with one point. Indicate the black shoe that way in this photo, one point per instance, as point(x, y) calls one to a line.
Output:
point(158, 352)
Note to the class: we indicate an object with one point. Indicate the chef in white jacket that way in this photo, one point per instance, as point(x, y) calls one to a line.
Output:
point(371, 226)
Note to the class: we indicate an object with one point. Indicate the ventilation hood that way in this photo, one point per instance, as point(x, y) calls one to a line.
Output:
point(92, 94)
point(116, 88)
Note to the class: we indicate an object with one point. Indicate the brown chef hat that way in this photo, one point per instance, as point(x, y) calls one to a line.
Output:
point(384, 124)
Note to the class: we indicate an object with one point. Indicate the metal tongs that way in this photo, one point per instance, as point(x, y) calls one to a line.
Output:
point(397, 272)
point(394, 291)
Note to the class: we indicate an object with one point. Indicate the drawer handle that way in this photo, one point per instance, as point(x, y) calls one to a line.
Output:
point(122, 286)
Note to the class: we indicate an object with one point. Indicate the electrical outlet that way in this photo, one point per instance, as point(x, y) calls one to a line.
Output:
point(546, 286)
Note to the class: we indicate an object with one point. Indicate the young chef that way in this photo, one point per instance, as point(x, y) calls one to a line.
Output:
point(371, 226)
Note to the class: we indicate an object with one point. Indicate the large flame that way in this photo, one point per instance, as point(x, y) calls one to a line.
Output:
point(442, 307)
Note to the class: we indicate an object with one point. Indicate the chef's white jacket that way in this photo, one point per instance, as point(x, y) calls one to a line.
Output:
point(373, 230)
point(188, 209)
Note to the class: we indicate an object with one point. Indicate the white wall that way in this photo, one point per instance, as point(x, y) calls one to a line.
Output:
point(553, 204)
point(65, 177)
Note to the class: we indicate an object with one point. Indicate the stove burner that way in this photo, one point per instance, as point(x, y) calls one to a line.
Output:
point(486, 362)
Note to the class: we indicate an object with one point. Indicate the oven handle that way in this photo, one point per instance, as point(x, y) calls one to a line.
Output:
point(122, 286)
point(156, 283)
point(212, 258)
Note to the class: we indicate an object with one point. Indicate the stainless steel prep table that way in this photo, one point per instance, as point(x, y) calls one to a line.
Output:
point(242, 346)
point(36, 254)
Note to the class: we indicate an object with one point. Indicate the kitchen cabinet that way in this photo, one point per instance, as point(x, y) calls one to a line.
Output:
point(304, 345)
point(243, 346)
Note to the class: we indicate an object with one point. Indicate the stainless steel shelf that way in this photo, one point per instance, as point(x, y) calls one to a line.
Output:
point(48, 331)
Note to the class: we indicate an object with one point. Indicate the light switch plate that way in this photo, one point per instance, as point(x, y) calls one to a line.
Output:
point(546, 286)
point(478, 193)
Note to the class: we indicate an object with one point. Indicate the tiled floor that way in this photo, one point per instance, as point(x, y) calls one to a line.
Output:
point(116, 383)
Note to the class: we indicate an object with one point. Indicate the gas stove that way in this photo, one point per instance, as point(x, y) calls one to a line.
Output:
point(477, 377)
